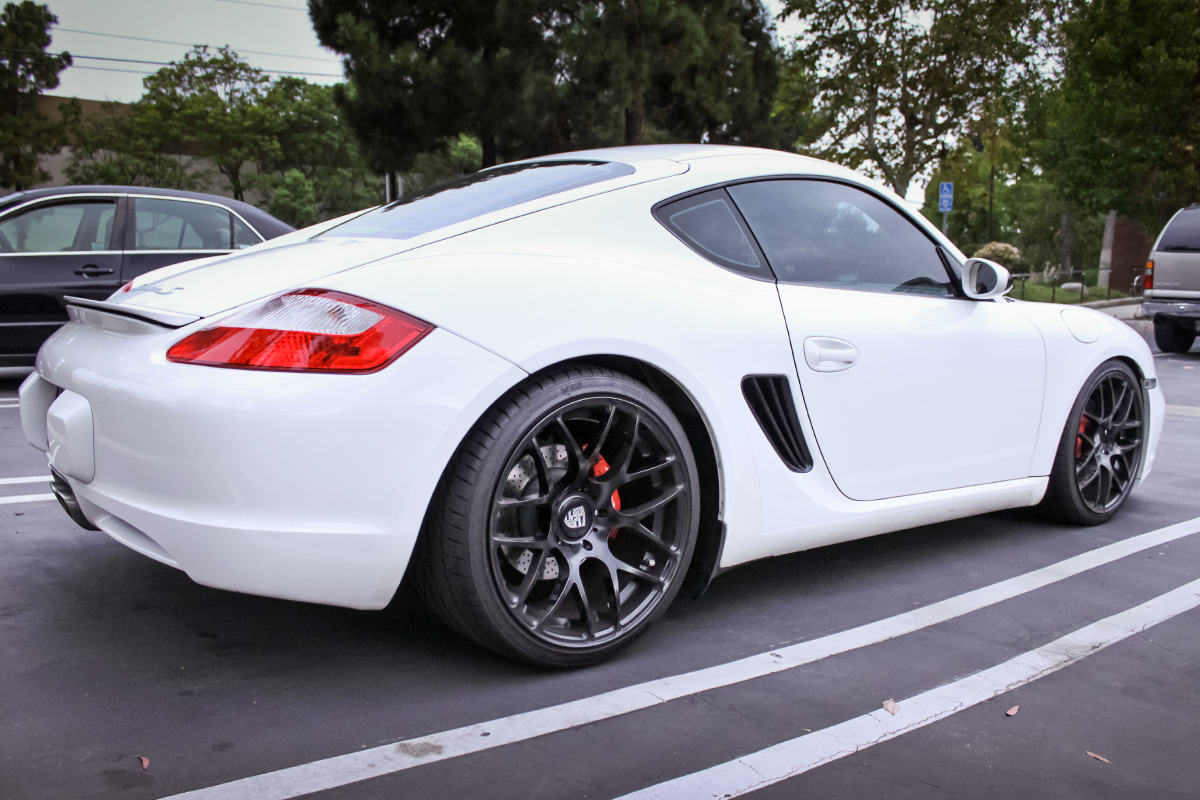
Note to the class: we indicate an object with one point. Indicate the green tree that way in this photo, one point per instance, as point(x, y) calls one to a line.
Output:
point(701, 70)
point(26, 70)
point(422, 72)
point(898, 81)
point(1122, 130)
point(129, 146)
point(293, 200)
point(212, 103)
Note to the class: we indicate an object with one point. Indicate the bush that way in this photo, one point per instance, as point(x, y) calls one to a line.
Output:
point(1003, 254)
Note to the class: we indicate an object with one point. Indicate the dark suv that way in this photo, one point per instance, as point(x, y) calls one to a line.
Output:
point(1172, 282)
point(86, 241)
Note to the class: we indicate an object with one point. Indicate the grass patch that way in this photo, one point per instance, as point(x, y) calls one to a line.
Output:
point(1046, 293)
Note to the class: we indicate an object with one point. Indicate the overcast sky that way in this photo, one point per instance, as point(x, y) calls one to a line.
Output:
point(273, 35)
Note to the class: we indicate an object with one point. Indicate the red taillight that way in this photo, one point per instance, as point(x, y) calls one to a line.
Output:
point(1148, 280)
point(310, 330)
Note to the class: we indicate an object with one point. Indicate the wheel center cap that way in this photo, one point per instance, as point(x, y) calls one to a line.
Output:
point(575, 515)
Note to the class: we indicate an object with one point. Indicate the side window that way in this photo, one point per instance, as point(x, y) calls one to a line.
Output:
point(710, 225)
point(828, 234)
point(163, 224)
point(1182, 234)
point(242, 235)
point(61, 227)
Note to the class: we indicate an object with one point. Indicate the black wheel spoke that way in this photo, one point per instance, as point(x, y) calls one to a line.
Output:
point(582, 558)
point(1109, 427)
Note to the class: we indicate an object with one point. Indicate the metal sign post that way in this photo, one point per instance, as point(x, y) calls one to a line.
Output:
point(945, 202)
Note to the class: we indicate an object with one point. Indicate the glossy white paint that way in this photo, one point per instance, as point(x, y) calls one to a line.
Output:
point(313, 487)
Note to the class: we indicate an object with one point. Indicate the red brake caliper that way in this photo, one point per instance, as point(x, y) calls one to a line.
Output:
point(601, 468)
point(1079, 438)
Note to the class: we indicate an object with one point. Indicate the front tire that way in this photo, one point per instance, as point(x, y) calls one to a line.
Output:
point(1173, 336)
point(565, 524)
point(1100, 452)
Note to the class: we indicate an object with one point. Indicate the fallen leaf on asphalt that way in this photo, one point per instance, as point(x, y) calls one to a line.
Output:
point(891, 707)
point(145, 762)
point(1098, 758)
point(1012, 712)
point(808, 730)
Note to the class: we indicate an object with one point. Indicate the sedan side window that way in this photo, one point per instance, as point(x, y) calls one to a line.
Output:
point(828, 234)
point(180, 225)
point(62, 227)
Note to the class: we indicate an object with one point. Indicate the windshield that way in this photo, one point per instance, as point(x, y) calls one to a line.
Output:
point(1183, 233)
point(476, 195)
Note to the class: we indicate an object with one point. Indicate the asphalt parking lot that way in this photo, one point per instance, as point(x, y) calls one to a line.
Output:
point(771, 684)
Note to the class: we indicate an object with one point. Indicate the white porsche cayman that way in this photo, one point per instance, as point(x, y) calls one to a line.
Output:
point(551, 391)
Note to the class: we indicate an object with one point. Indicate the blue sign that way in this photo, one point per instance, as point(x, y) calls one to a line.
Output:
point(945, 196)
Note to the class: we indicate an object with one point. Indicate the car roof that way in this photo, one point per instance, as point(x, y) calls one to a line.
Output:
point(266, 224)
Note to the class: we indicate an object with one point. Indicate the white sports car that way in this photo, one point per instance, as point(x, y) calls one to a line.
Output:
point(552, 391)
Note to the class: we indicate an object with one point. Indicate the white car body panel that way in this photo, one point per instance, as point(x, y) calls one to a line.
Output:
point(313, 487)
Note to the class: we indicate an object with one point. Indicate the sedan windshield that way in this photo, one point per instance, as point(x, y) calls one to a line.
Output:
point(476, 195)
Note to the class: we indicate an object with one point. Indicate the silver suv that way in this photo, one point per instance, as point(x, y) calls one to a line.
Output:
point(1172, 282)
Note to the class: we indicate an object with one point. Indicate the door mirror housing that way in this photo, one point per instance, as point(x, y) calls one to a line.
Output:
point(984, 280)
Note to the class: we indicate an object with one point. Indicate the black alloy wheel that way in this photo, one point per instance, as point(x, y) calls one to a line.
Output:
point(1100, 454)
point(577, 521)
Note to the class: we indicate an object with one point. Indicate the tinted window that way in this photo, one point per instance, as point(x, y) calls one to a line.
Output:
point(709, 224)
point(476, 195)
point(1183, 233)
point(62, 227)
point(180, 225)
point(829, 234)
point(243, 236)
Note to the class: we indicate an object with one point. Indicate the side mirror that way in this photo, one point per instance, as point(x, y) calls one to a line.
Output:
point(983, 279)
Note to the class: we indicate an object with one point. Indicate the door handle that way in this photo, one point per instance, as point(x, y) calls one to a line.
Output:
point(93, 271)
point(827, 354)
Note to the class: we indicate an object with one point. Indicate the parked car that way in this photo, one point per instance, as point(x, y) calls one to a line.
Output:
point(552, 390)
point(85, 241)
point(1171, 285)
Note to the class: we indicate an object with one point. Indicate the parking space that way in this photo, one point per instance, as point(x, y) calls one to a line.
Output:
point(771, 684)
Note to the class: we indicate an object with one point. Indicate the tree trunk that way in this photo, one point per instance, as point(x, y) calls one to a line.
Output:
point(635, 116)
point(488, 140)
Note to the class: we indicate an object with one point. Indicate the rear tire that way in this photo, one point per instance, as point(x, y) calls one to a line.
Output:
point(564, 525)
point(1100, 452)
point(1173, 336)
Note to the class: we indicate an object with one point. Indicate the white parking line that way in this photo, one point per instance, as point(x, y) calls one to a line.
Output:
point(341, 770)
point(799, 755)
point(1184, 411)
point(25, 498)
point(34, 479)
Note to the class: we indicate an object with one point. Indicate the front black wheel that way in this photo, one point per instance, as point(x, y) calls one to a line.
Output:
point(1100, 452)
point(566, 522)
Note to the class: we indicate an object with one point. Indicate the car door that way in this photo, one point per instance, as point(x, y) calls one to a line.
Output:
point(50, 249)
point(909, 386)
point(167, 230)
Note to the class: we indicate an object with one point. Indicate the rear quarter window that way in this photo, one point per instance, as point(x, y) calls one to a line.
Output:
point(1182, 234)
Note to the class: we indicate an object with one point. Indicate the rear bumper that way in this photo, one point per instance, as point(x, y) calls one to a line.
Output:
point(1174, 309)
point(299, 486)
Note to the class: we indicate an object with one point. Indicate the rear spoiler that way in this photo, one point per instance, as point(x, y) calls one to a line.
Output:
point(170, 319)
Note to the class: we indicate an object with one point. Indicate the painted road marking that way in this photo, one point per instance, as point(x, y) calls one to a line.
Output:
point(34, 479)
point(799, 755)
point(374, 762)
point(25, 498)
point(1184, 411)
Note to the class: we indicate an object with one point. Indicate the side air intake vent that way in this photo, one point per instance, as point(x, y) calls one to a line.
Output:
point(770, 399)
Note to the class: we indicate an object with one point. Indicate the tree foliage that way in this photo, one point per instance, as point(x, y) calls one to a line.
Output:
point(26, 70)
point(214, 108)
point(530, 76)
point(1122, 129)
point(898, 81)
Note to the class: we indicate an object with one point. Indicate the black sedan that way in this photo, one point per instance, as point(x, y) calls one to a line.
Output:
point(86, 241)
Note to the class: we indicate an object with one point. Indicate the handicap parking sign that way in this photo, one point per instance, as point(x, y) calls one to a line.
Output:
point(945, 196)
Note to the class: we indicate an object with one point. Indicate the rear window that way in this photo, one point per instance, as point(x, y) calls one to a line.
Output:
point(476, 195)
point(1182, 234)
